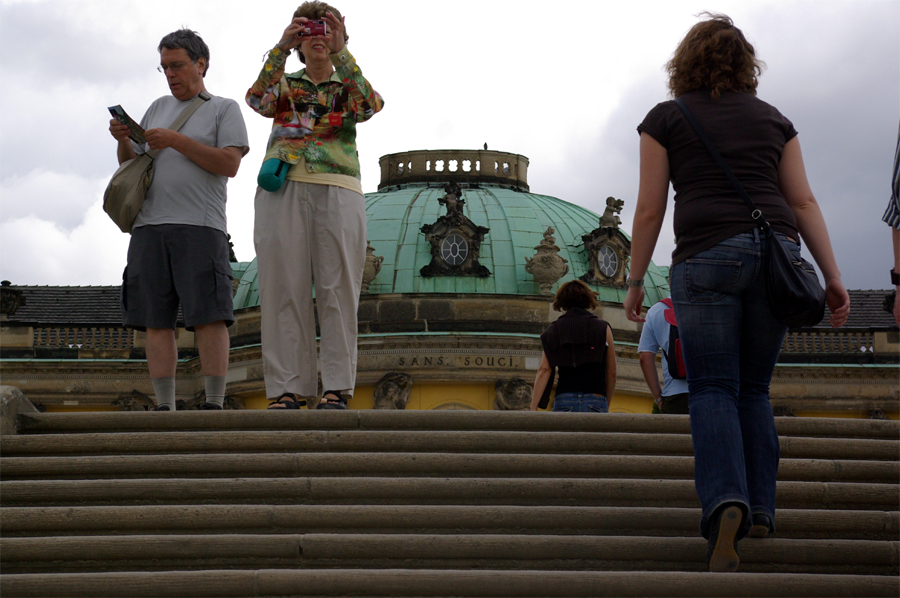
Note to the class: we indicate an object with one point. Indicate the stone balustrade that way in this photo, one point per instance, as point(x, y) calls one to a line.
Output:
point(829, 342)
point(83, 338)
point(464, 166)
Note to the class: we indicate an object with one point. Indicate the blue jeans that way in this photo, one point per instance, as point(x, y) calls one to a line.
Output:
point(580, 402)
point(731, 342)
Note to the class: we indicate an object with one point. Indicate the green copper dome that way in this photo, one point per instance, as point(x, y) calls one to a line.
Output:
point(517, 220)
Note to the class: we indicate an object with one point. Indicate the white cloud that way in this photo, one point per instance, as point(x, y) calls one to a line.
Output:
point(61, 198)
point(34, 251)
point(567, 91)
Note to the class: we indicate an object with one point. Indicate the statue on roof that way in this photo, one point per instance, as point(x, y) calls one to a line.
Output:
point(453, 199)
point(610, 218)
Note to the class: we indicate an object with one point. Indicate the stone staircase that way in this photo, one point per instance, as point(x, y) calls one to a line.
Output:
point(426, 503)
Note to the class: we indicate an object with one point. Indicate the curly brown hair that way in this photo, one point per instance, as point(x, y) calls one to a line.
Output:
point(575, 293)
point(714, 56)
point(313, 10)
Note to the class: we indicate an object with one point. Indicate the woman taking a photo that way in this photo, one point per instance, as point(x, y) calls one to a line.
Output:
point(310, 225)
point(729, 336)
point(581, 345)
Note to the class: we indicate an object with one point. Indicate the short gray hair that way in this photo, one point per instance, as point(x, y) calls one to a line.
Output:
point(188, 41)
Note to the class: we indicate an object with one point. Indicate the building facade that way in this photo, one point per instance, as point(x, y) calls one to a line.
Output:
point(463, 260)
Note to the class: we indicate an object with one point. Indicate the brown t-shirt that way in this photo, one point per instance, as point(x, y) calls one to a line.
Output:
point(750, 135)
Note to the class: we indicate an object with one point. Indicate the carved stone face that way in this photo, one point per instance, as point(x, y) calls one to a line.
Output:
point(392, 391)
point(512, 395)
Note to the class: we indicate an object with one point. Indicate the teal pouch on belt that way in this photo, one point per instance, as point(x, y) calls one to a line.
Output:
point(272, 174)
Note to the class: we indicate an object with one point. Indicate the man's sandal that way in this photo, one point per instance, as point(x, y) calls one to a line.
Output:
point(291, 403)
point(332, 403)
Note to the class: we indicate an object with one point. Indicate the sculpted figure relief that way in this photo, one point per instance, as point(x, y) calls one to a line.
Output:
point(10, 299)
point(610, 218)
point(134, 401)
point(392, 391)
point(453, 200)
point(513, 394)
point(196, 402)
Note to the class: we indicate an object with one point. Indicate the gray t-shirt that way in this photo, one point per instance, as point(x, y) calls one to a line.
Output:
point(181, 191)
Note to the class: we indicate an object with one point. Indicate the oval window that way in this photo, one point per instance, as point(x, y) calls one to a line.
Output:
point(454, 249)
point(608, 261)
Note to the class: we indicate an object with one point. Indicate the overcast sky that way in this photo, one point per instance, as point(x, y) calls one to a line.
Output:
point(565, 89)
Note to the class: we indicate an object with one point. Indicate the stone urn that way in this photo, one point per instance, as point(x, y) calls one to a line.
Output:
point(372, 267)
point(547, 266)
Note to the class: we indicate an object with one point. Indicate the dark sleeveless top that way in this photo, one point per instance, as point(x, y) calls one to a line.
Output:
point(576, 344)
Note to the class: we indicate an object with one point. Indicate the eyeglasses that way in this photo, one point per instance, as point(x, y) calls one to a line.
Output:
point(175, 66)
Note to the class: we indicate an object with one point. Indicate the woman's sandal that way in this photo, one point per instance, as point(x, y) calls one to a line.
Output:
point(291, 404)
point(336, 403)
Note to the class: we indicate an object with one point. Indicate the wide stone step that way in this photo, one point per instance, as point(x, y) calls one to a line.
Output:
point(418, 464)
point(317, 503)
point(425, 420)
point(410, 464)
point(318, 441)
point(411, 551)
point(272, 519)
point(385, 490)
point(408, 583)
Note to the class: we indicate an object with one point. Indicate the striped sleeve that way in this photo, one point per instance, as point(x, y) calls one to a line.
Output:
point(892, 213)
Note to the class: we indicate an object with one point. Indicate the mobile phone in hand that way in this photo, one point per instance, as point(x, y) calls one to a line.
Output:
point(137, 132)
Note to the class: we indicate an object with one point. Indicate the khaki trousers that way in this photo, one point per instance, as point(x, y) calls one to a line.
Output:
point(303, 233)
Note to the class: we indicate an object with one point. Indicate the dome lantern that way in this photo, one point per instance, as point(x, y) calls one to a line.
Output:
point(461, 166)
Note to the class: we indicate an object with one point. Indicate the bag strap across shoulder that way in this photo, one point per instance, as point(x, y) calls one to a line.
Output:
point(176, 125)
point(756, 214)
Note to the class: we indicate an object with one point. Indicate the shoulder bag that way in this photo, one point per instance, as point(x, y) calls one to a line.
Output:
point(127, 189)
point(793, 292)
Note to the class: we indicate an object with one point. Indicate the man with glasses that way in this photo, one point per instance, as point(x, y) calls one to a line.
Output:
point(179, 250)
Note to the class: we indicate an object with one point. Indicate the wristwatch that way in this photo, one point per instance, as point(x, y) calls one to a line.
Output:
point(635, 283)
point(895, 278)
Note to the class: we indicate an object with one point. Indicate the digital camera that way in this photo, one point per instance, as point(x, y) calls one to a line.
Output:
point(318, 27)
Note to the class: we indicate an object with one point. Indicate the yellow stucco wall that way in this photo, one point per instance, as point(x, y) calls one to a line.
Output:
point(469, 396)
point(459, 396)
point(481, 396)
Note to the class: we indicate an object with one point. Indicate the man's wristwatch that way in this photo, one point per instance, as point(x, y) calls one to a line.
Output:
point(895, 278)
point(635, 283)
